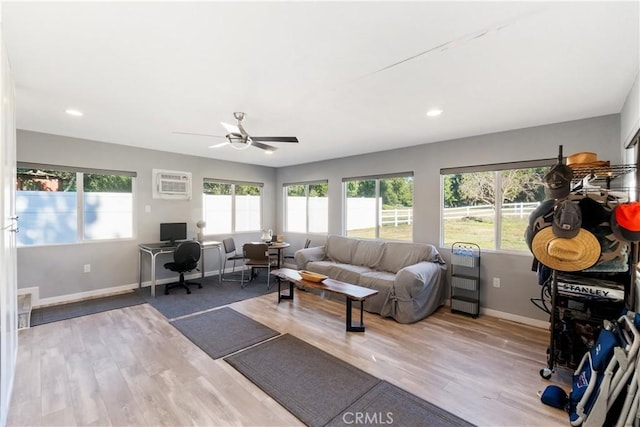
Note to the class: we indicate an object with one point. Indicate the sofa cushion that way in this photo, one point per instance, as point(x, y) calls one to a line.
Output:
point(322, 267)
point(348, 273)
point(398, 255)
point(340, 249)
point(368, 252)
point(377, 279)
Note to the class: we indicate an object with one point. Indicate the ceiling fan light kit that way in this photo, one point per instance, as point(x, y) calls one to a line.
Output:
point(239, 139)
point(239, 142)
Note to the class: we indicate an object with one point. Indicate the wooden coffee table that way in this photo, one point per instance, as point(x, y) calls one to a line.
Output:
point(351, 292)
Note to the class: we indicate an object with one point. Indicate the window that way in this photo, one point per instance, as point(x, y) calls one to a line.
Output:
point(307, 207)
point(491, 207)
point(231, 206)
point(379, 207)
point(59, 204)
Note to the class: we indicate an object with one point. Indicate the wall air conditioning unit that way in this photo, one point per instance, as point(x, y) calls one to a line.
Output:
point(171, 185)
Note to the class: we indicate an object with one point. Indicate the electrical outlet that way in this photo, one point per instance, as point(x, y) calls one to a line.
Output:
point(87, 268)
point(496, 282)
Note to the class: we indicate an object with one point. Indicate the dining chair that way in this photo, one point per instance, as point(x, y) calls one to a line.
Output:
point(231, 254)
point(256, 255)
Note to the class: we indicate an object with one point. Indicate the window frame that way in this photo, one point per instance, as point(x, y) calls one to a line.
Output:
point(233, 184)
point(495, 168)
point(285, 197)
point(378, 200)
point(80, 205)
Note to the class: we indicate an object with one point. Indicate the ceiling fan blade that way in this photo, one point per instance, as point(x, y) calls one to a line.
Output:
point(275, 138)
point(263, 146)
point(222, 144)
point(231, 128)
point(198, 134)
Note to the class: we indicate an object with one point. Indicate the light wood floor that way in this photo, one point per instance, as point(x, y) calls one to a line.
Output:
point(131, 367)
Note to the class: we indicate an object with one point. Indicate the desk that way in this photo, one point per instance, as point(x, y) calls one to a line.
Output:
point(155, 249)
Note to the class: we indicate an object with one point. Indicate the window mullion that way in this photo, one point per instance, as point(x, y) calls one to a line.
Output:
point(498, 209)
point(80, 205)
point(262, 227)
point(233, 208)
point(378, 209)
point(306, 194)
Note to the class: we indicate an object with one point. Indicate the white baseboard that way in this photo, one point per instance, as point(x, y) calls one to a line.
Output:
point(35, 294)
point(515, 318)
point(512, 317)
point(102, 292)
point(36, 301)
point(84, 295)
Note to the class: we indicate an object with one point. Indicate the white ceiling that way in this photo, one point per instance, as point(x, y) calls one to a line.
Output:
point(344, 77)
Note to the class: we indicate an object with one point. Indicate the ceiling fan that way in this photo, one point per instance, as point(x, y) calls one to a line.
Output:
point(239, 139)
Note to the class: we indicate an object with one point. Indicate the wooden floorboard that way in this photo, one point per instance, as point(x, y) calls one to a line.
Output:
point(131, 367)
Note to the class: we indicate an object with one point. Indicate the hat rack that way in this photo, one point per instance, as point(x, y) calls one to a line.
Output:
point(601, 174)
point(606, 184)
point(606, 174)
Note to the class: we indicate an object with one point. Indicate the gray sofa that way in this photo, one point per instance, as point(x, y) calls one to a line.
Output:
point(410, 277)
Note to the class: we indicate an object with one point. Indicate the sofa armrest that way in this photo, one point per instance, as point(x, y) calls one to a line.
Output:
point(304, 256)
point(413, 280)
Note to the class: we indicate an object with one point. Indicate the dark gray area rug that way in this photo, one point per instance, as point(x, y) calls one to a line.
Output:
point(312, 384)
point(178, 303)
point(59, 312)
point(391, 405)
point(223, 331)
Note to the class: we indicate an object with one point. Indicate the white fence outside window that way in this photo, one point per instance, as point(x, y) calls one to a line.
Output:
point(318, 214)
point(218, 213)
point(361, 213)
point(520, 209)
point(51, 217)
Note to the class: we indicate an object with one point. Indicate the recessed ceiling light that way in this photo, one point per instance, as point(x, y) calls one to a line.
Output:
point(268, 152)
point(74, 112)
point(434, 113)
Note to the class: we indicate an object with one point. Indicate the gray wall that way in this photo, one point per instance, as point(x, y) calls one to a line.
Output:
point(57, 270)
point(518, 282)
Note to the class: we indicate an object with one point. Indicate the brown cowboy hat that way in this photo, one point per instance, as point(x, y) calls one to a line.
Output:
point(585, 159)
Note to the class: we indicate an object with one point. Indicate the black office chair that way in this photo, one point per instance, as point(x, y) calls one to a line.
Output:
point(230, 255)
point(256, 255)
point(185, 259)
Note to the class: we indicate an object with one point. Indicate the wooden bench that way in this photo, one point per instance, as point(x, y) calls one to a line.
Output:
point(350, 292)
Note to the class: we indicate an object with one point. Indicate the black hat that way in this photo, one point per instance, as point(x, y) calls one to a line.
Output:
point(557, 182)
point(567, 220)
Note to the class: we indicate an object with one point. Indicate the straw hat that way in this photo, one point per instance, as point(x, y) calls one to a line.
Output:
point(562, 254)
point(585, 159)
